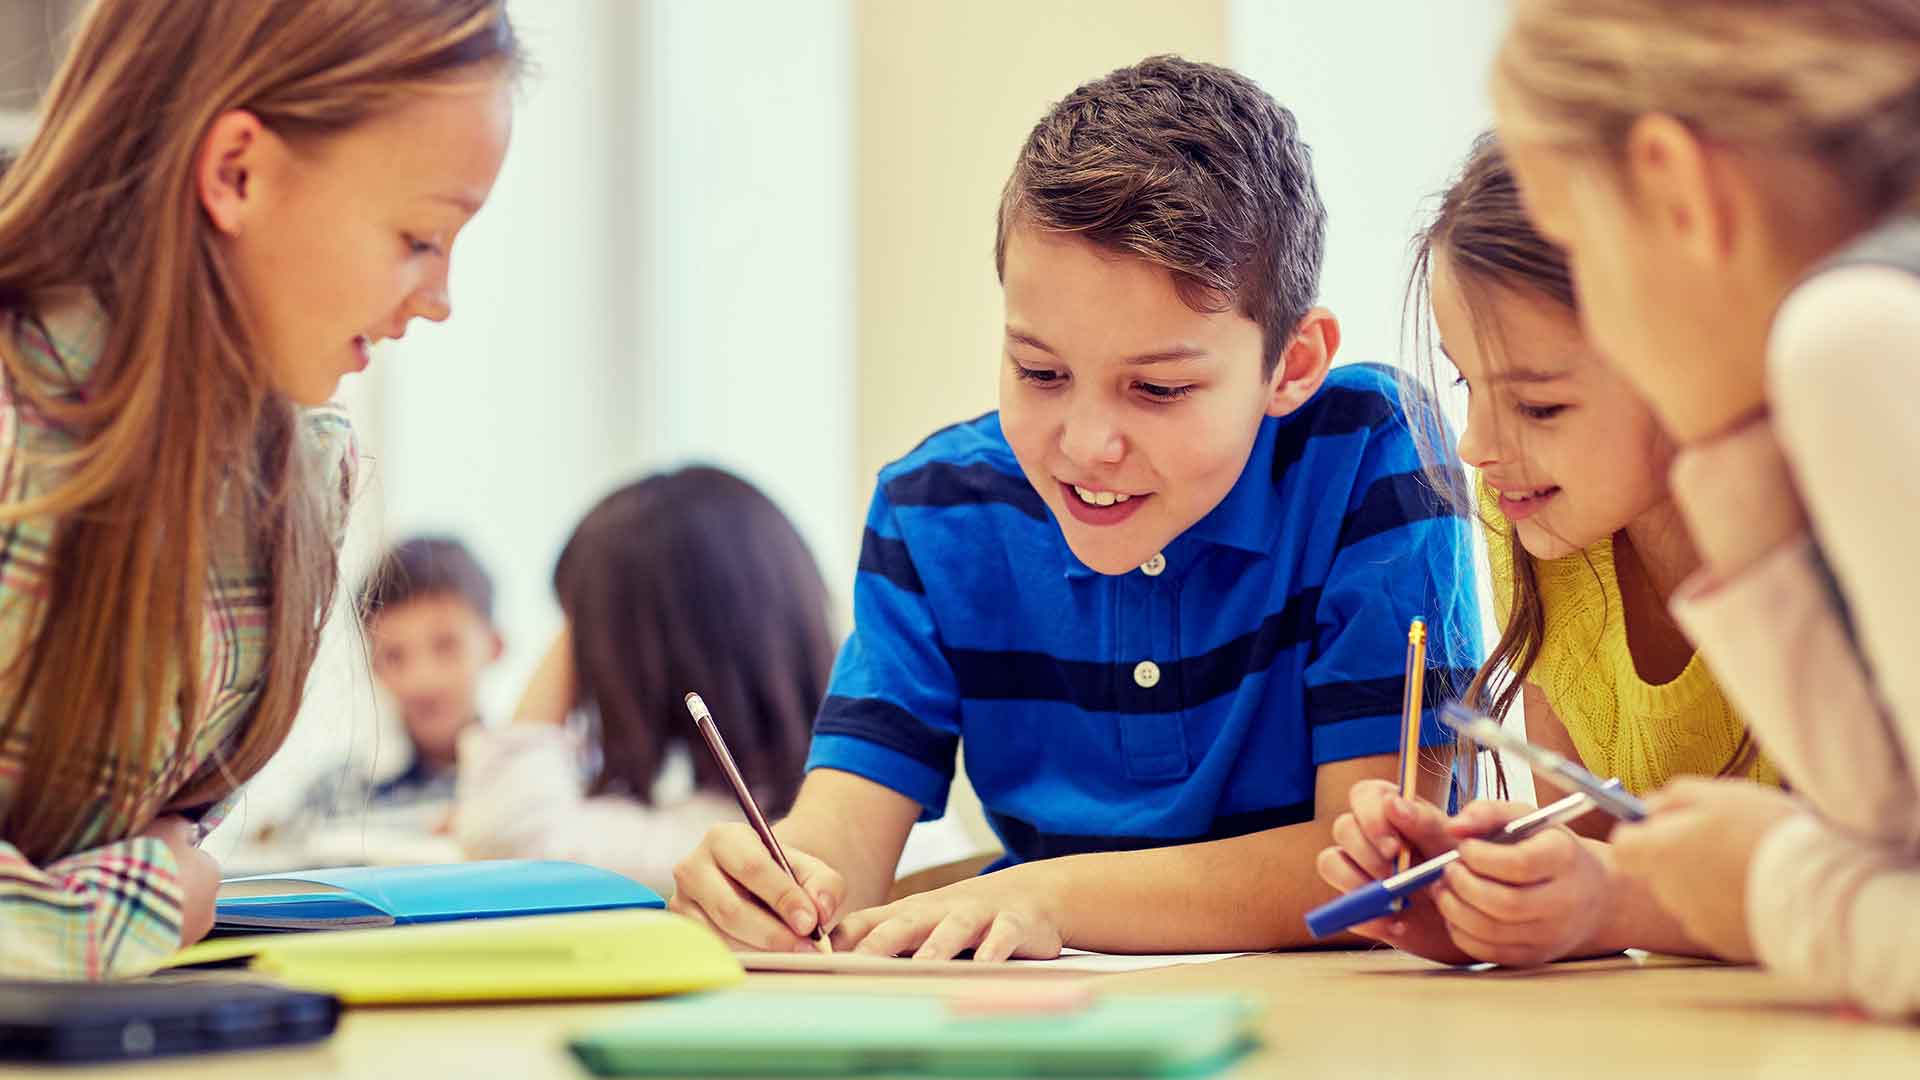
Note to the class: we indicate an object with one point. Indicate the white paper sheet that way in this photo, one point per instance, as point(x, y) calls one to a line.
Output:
point(1070, 962)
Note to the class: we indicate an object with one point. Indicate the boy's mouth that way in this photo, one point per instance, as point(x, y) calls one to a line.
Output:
point(1100, 507)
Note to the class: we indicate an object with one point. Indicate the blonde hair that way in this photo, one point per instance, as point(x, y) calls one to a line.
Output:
point(1837, 80)
point(178, 412)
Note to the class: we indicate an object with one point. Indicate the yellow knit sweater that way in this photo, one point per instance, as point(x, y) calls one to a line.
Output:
point(1622, 726)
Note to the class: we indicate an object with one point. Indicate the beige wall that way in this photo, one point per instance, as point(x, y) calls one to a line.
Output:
point(945, 94)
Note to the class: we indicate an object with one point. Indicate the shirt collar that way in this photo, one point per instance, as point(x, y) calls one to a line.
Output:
point(1245, 519)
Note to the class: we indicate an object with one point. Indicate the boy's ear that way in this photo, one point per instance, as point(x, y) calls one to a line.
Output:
point(1304, 363)
point(227, 169)
point(499, 645)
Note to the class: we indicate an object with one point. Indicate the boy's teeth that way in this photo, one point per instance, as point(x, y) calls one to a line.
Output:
point(1099, 498)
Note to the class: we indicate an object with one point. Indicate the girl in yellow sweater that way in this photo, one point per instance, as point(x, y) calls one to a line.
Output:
point(1585, 547)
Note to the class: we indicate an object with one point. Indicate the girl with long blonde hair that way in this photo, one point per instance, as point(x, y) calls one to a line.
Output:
point(224, 206)
point(1736, 184)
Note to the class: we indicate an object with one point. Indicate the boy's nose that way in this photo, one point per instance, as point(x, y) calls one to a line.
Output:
point(1091, 437)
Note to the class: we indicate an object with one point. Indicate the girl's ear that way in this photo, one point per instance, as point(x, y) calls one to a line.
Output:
point(227, 167)
point(1674, 180)
point(1304, 363)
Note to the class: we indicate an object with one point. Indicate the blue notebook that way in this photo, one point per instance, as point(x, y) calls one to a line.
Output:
point(358, 896)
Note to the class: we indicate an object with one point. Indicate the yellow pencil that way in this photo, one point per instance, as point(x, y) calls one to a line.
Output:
point(1410, 720)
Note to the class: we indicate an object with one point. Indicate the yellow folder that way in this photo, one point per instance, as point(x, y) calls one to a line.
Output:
point(595, 954)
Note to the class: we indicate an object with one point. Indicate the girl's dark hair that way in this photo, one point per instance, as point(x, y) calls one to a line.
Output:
point(694, 580)
point(1482, 230)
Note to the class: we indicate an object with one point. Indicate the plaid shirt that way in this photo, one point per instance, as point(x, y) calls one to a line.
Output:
point(113, 906)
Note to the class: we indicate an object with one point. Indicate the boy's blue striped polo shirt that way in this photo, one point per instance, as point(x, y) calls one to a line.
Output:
point(1191, 699)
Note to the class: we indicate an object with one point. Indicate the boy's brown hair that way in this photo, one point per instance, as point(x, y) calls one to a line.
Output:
point(1191, 167)
point(426, 566)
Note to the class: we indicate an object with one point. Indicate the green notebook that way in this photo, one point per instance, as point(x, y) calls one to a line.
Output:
point(756, 1033)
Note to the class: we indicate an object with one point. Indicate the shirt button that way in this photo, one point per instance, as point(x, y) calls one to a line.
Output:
point(1152, 567)
point(1146, 674)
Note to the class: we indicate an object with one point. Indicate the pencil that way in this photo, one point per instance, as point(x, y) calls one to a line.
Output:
point(703, 720)
point(1410, 720)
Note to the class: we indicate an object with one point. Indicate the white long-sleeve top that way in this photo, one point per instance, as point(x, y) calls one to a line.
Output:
point(1818, 640)
point(521, 794)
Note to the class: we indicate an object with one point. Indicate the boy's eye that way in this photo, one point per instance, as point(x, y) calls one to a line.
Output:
point(417, 246)
point(1539, 412)
point(1159, 392)
point(1038, 376)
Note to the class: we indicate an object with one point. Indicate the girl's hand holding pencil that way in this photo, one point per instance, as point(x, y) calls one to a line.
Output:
point(1542, 899)
point(1519, 904)
point(1369, 839)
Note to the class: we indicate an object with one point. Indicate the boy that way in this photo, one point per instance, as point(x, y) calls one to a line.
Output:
point(1164, 592)
point(428, 613)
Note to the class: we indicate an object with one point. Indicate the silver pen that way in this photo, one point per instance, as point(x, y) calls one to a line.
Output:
point(1484, 731)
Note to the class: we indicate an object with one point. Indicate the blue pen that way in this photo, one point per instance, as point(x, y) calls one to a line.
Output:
point(1384, 897)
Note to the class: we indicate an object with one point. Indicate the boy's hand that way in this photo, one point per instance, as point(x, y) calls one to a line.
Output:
point(1368, 839)
point(1696, 850)
point(732, 884)
point(1526, 903)
point(198, 874)
point(1001, 915)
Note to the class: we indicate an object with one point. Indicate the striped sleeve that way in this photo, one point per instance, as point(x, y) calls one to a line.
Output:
point(108, 912)
point(891, 713)
point(1404, 552)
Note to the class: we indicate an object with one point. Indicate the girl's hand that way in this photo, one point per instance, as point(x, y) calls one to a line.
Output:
point(1002, 915)
point(1696, 850)
point(1368, 839)
point(1527, 903)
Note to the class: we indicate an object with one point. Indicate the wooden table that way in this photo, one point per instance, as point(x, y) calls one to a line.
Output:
point(1329, 1014)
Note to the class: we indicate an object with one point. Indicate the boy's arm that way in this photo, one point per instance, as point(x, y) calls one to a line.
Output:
point(1246, 893)
point(884, 747)
point(1249, 892)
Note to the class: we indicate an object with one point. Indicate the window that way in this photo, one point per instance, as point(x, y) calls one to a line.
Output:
point(31, 33)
